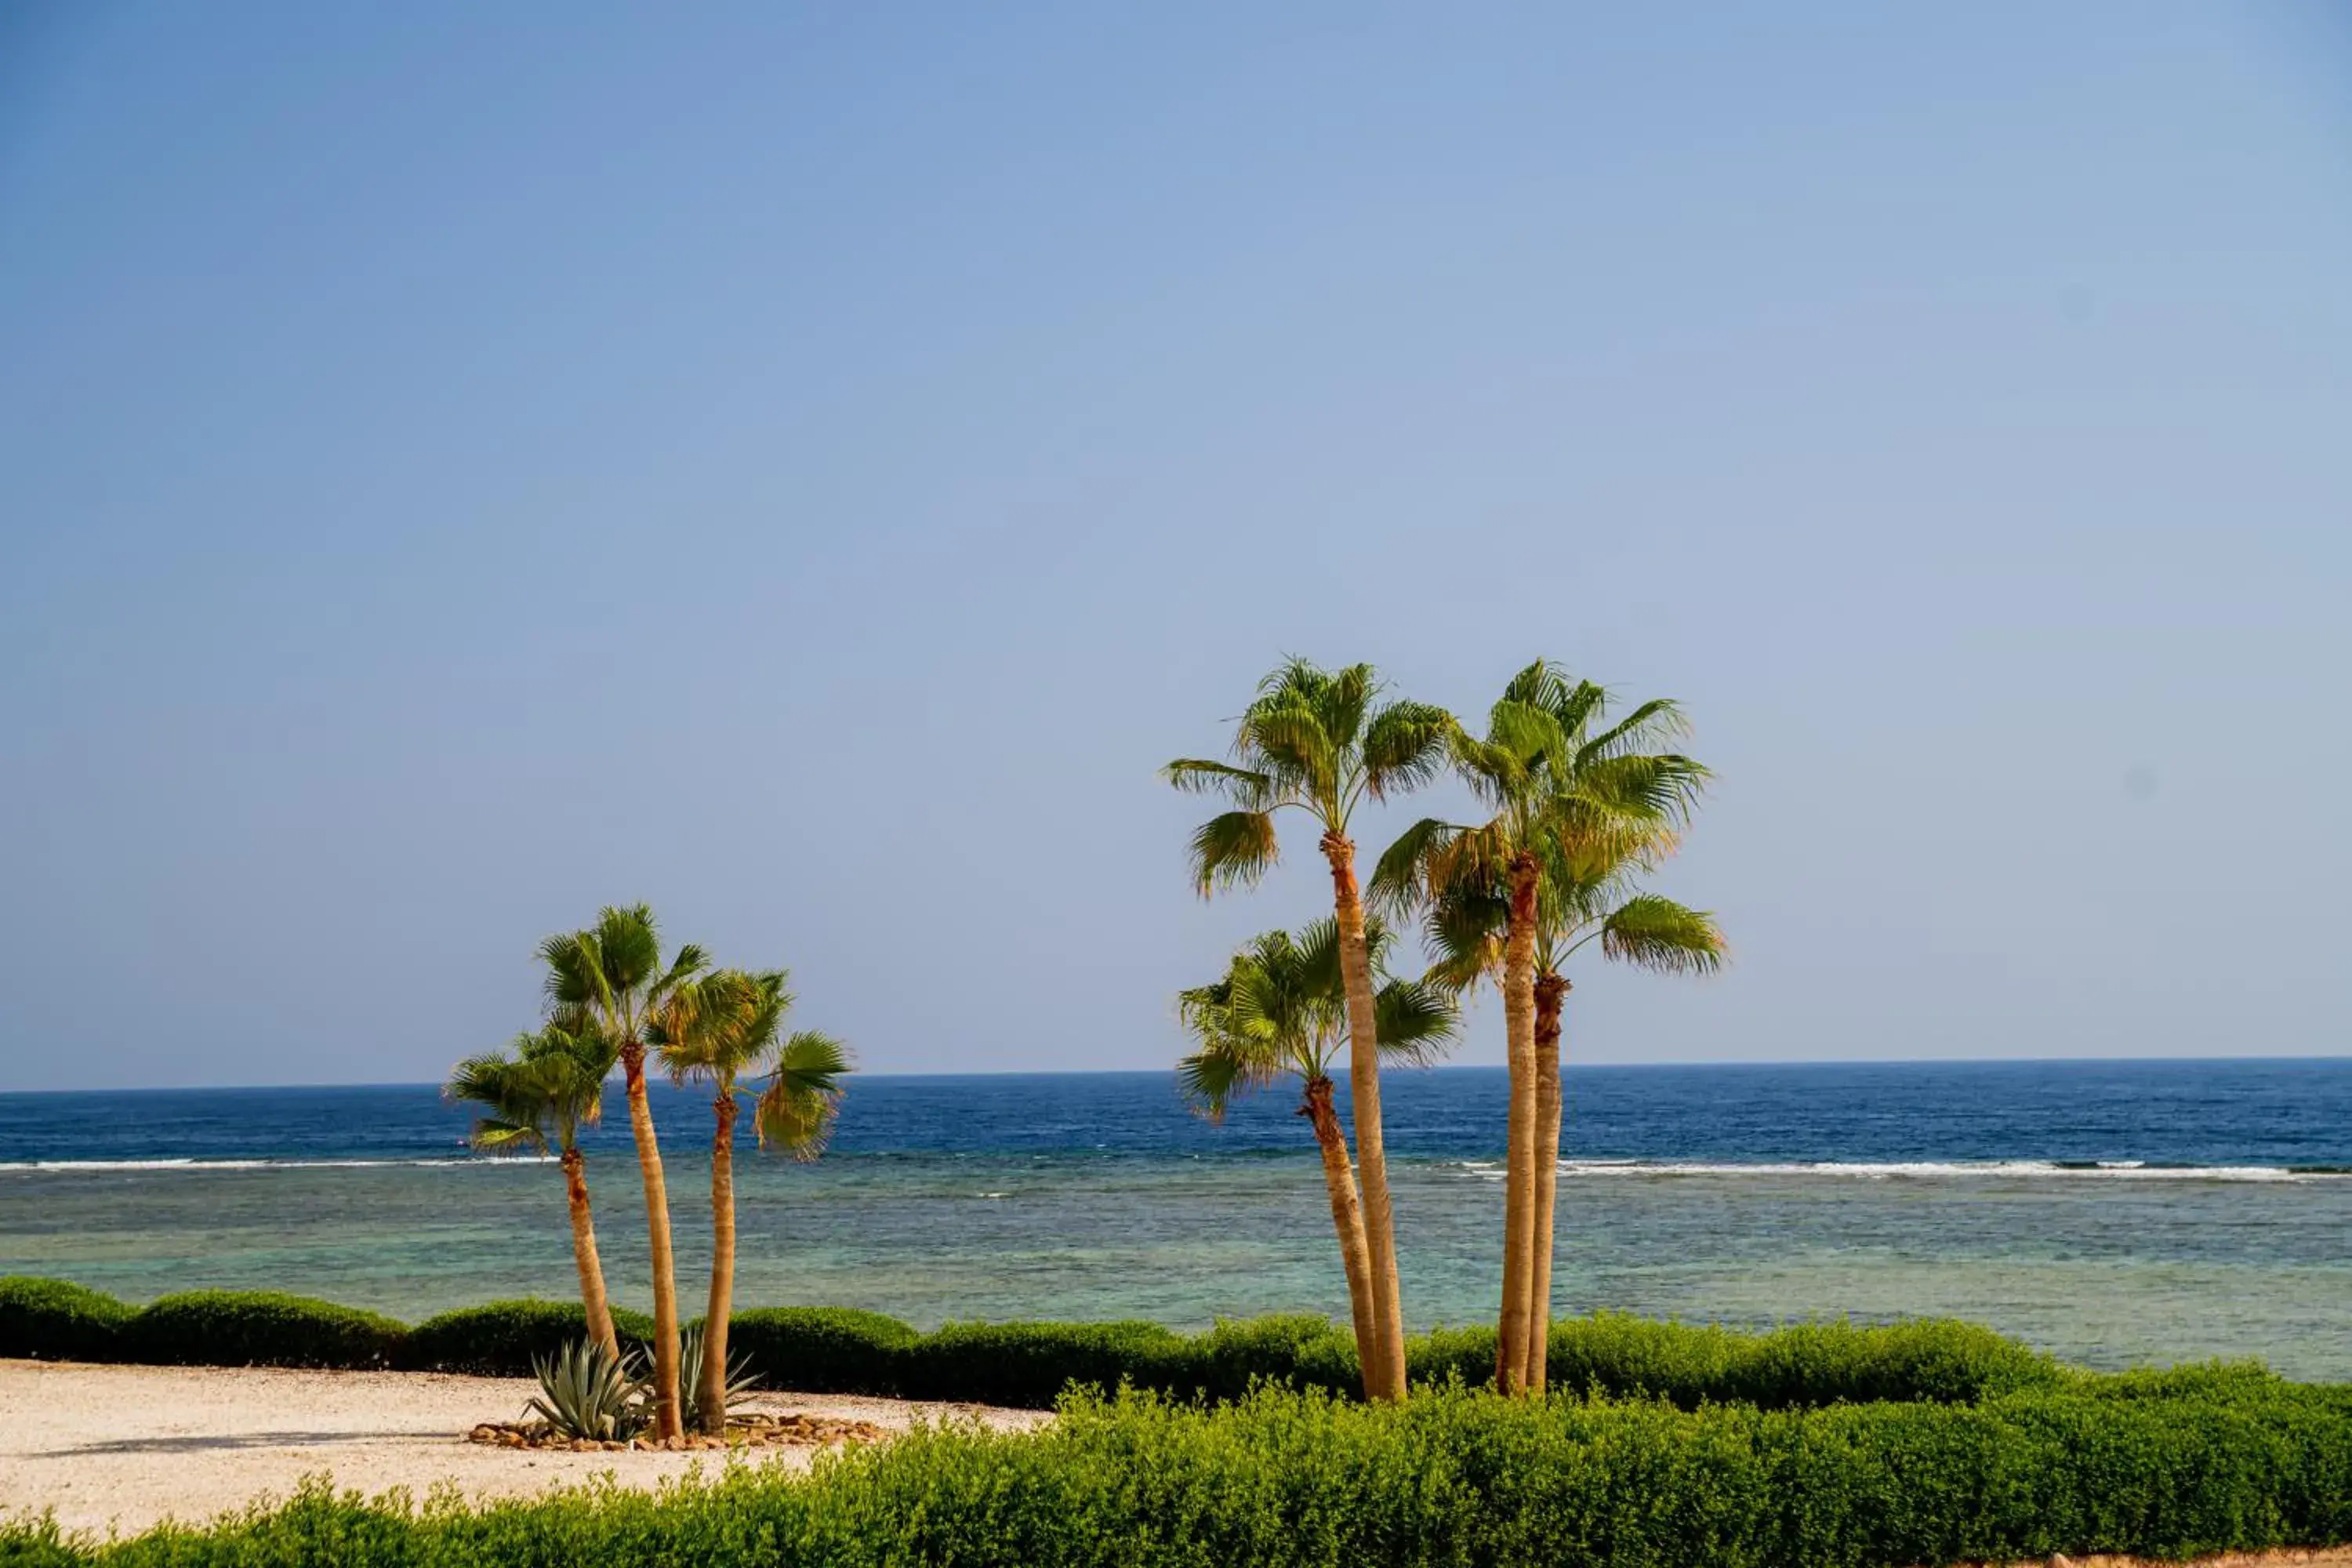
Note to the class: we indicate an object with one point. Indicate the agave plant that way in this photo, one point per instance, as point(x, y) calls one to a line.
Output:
point(585, 1391)
point(738, 1382)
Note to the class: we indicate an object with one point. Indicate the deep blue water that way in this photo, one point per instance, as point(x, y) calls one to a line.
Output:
point(2114, 1212)
point(2291, 1114)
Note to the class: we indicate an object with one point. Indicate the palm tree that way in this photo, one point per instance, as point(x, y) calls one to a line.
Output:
point(1466, 929)
point(1313, 741)
point(714, 1030)
point(610, 977)
point(1594, 802)
point(552, 1087)
point(1282, 1007)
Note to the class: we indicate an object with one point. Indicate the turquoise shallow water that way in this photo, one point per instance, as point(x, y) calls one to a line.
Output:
point(2116, 1214)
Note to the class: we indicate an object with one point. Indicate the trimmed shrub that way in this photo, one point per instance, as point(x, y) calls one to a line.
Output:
point(258, 1328)
point(1031, 1364)
point(821, 1350)
point(1300, 1350)
point(1805, 1364)
point(499, 1339)
point(56, 1320)
point(833, 1350)
point(1454, 1478)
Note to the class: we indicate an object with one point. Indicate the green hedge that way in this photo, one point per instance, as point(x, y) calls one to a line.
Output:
point(822, 1350)
point(56, 1320)
point(501, 1338)
point(1454, 1478)
point(257, 1328)
point(1807, 1364)
point(827, 1350)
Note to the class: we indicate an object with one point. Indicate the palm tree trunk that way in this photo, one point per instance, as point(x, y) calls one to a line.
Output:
point(667, 1423)
point(1518, 1166)
point(1385, 1372)
point(1347, 1218)
point(1552, 990)
point(592, 1299)
point(713, 1393)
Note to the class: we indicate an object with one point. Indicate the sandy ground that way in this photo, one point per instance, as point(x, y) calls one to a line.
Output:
point(126, 1446)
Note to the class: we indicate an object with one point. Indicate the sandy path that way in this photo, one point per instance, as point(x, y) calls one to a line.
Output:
point(126, 1446)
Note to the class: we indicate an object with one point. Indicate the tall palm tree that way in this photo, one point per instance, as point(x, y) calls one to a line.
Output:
point(1314, 741)
point(715, 1030)
point(551, 1086)
point(1563, 786)
point(610, 976)
point(1282, 1007)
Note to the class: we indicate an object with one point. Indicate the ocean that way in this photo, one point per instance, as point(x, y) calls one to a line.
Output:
point(2118, 1213)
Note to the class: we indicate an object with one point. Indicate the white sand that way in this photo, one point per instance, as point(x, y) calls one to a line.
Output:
point(126, 1446)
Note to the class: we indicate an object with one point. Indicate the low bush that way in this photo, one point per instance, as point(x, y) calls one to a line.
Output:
point(258, 1328)
point(821, 1350)
point(56, 1320)
point(1300, 1350)
point(1031, 1364)
point(1452, 1477)
point(502, 1339)
point(1805, 1364)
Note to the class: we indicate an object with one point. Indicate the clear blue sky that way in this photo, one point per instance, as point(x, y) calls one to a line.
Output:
point(806, 467)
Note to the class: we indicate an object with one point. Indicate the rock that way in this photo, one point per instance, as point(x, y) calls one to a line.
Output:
point(2059, 1560)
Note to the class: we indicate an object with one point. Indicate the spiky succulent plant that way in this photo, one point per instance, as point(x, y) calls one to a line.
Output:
point(585, 1392)
point(740, 1380)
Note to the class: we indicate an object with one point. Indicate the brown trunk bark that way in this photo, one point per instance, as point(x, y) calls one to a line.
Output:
point(713, 1393)
point(667, 1424)
point(1371, 1154)
point(1518, 1166)
point(592, 1299)
point(1552, 990)
point(1347, 1218)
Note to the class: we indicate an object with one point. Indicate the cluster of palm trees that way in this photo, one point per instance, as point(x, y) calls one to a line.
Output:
point(611, 1001)
point(1581, 807)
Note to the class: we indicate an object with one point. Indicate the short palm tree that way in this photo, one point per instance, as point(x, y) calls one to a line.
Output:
point(610, 977)
point(1319, 742)
point(543, 1093)
point(1564, 787)
point(1467, 929)
point(717, 1030)
point(1282, 1008)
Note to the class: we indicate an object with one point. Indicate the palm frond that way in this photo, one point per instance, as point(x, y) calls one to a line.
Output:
point(1401, 880)
point(1415, 1021)
point(1652, 724)
point(628, 945)
point(1463, 932)
point(801, 1100)
point(1531, 737)
point(1661, 786)
point(497, 1137)
point(1660, 934)
point(1289, 739)
point(1247, 787)
point(1406, 745)
point(1343, 699)
point(575, 973)
point(1233, 849)
point(1213, 1076)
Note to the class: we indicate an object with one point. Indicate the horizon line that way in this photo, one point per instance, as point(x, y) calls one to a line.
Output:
point(1437, 1067)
